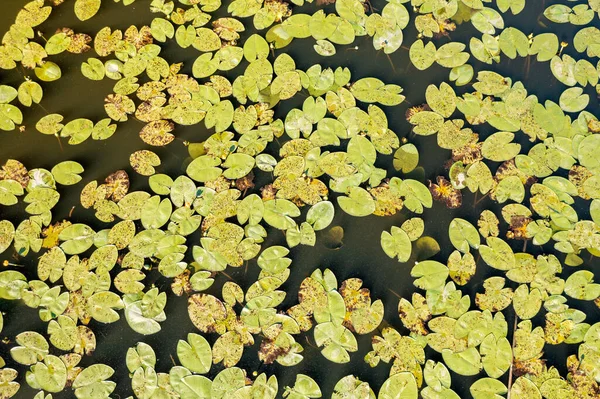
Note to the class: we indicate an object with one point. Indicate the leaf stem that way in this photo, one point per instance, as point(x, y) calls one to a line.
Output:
point(44, 108)
point(228, 276)
point(59, 143)
point(391, 62)
point(310, 343)
point(481, 199)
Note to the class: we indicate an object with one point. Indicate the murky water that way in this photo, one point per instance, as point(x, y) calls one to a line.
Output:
point(361, 256)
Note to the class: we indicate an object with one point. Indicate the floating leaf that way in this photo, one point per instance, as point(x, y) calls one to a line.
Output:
point(400, 385)
point(397, 244)
point(195, 354)
point(86, 9)
point(48, 72)
point(67, 173)
point(463, 235)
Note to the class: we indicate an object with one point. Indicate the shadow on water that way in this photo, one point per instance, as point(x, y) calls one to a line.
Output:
point(361, 256)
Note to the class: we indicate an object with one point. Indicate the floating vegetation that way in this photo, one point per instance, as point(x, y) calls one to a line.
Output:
point(280, 159)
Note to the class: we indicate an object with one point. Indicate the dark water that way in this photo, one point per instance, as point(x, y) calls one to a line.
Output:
point(74, 96)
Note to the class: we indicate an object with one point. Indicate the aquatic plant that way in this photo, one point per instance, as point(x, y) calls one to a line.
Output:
point(277, 155)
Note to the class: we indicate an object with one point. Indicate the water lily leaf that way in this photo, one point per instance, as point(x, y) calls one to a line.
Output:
point(497, 355)
point(399, 386)
point(499, 147)
point(279, 213)
point(544, 46)
point(255, 47)
point(195, 354)
point(78, 130)
point(352, 388)
point(102, 304)
point(527, 303)
point(587, 152)
point(324, 48)
point(406, 158)
point(204, 168)
point(266, 162)
point(206, 40)
point(9, 388)
point(451, 55)
point(367, 319)
point(337, 339)
point(580, 285)
point(142, 355)
point(273, 259)
point(426, 247)
point(229, 57)
point(144, 161)
point(320, 215)
point(370, 90)
point(582, 15)
point(128, 281)
point(10, 116)
point(488, 388)
point(238, 165)
point(9, 190)
point(63, 333)
point(358, 203)
point(32, 348)
point(86, 9)
point(416, 195)
point(497, 254)
point(304, 388)
point(513, 42)
point(77, 238)
point(587, 40)
point(573, 100)
point(205, 65)
point(92, 375)
point(51, 375)
point(51, 264)
point(103, 129)
point(397, 244)
point(467, 362)
point(7, 233)
point(251, 210)
point(524, 388)
point(48, 72)
point(29, 92)
point(227, 382)
point(33, 14)
point(7, 94)
point(479, 177)
point(27, 236)
point(67, 173)
point(430, 274)
point(162, 29)
point(487, 20)
point(185, 36)
point(93, 69)
point(563, 69)
point(220, 116)
point(442, 100)
point(209, 260)
point(422, 56)
point(558, 13)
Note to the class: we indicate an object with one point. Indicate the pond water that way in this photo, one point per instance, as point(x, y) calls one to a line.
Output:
point(361, 256)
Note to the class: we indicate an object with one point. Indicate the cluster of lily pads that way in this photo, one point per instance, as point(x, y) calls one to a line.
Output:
point(317, 159)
